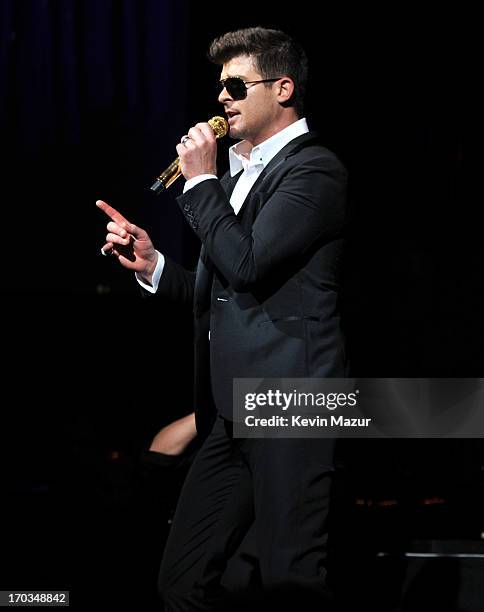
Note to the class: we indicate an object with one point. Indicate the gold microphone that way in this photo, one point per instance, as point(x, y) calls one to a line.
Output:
point(219, 125)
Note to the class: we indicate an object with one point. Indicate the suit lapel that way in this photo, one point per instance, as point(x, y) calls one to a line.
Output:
point(290, 149)
point(248, 210)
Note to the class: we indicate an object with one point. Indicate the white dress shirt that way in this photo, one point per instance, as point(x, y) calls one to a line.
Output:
point(242, 156)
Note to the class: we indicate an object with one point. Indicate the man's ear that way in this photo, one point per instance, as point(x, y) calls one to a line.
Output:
point(284, 90)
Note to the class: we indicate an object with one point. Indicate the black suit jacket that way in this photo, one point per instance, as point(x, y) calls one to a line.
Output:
point(266, 284)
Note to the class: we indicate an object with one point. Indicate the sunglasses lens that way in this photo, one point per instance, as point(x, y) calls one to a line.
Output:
point(235, 88)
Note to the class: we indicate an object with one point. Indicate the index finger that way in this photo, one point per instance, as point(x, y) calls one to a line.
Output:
point(111, 212)
point(207, 130)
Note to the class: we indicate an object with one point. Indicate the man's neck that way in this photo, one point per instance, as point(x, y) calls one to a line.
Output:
point(243, 152)
point(282, 123)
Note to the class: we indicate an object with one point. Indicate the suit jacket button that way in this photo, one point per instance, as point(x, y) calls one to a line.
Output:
point(194, 225)
point(186, 207)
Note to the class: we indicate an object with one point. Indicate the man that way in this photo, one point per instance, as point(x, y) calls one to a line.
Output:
point(265, 305)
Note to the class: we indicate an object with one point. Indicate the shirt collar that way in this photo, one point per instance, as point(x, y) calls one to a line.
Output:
point(242, 155)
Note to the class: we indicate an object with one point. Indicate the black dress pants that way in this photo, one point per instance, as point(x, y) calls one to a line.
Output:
point(252, 510)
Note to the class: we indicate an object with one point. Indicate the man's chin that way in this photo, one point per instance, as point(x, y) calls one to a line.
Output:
point(234, 133)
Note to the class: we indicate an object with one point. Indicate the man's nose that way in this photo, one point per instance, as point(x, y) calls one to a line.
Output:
point(224, 96)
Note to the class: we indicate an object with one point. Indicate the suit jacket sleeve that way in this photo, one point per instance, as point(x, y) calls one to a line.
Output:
point(176, 283)
point(307, 205)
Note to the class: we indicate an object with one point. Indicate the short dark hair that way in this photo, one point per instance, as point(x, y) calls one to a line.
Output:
point(274, 53)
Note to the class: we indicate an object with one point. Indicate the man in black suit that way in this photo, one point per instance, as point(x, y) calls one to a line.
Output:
point(265, 299)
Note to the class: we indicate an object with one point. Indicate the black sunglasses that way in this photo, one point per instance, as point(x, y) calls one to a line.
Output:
point(236, 87)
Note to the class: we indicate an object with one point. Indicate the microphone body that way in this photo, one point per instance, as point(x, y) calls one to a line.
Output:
point(169, 176)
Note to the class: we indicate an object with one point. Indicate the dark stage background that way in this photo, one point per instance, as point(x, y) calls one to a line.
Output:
point(94, 95)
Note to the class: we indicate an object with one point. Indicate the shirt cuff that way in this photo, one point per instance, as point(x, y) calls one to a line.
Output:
point(197, 179)
point(155, 280)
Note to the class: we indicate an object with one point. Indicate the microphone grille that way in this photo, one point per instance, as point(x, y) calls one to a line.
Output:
point(219, 125)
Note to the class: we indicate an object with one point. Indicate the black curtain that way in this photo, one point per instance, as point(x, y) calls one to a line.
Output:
point(92, 102)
